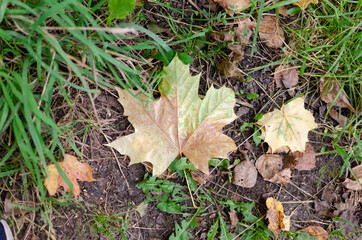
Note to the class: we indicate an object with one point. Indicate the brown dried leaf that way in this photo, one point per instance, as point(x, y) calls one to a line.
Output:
point(270, 32)
point(338, 117)
point(275, 215)
point(74, 171)
point(316, 231)
point(233, 217)
point(282, 177)
point(329, 90)
point(301, 160)
point(232, 6)
point(230, 69)
point(283, 11)
point(268, 165)
point(285, 76)
point(354, 184)
point(245, 174)
point(304, 4)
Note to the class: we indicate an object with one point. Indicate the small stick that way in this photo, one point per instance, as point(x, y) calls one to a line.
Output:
point(188, 186)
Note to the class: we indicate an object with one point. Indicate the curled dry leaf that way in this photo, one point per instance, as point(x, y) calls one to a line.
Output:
point(304, 4)
point(285, 76)
point(275, 215)
point(338, 117)
point(74, 171)
point(245, 174)
point(282, 177)
point(230, 69)
point(301, 160)
point(288, 126)
point(268, 165)
point(329, 91)
point(178, 122)
point(354, 184)
point(233, 218)
point(270, 32)
point(232, 6)
point(316, 231)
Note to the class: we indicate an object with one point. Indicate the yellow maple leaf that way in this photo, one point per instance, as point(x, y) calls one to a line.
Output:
point(179, 122)
point(288, 126)
point(74, 171)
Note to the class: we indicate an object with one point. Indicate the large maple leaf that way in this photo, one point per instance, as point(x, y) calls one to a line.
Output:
point(288, 126)
point(178, 123)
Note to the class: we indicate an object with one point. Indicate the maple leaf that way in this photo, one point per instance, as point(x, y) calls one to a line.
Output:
point(179, 122)
point(288, 126)
point(74, 171)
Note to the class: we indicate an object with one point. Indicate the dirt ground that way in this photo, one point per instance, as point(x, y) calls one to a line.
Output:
point(115, 190)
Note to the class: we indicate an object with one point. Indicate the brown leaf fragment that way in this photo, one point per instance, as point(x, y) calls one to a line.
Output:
point(329, 90)
point(198, 176)
point(304, 4)
point(245, 174)
point(268, 165)
point(282, 177)
point(301, 160)
point(283, 11)
point(354, 184)
point(338, 117)
point(74, 171)
point(270, 32)
point(285, 76)
point(233, 217)
point(230, 69)
point(275, 215)
point(232, 6)
point(316, 231)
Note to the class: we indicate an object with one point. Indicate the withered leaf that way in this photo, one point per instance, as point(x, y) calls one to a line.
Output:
point(178, 122)
point(268, 165)
point(233, 217)
point(232, 6)
point(282, 177)
point(329, 90)
point(285, 76)
point(354, 184)
point(275, 215)
point(288, 126)
point(245, 174)
point(304, 4)
point(316, 231)
point(301, 160)
point(270, 32)
point(74, 171)
point(230, 69)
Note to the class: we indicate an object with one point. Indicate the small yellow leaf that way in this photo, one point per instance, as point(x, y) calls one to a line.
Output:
point(74, 171)
point(288, 126)
point(316, 231)
point(275, 215)
point(304, 4)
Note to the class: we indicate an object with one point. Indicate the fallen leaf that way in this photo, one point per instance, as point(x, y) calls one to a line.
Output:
point(285, 76)
point(338, 117)
point(282, 177)
point(233, 218)
point(270, 32)
point(354, 184)
point(286, 223)
point(232, 6)
point(329, 91)
point(275, 215)
point(316, 231)
point(74, 171)
point(283, 11)
point(304, 4)
point(268, 165)
point(230, 69)
point(179, 122)
point(245, 174)
point(288, 126)
point(301, 160)
point(141, 208)
point(198, 176)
